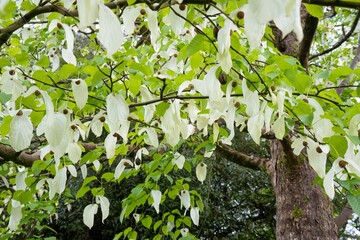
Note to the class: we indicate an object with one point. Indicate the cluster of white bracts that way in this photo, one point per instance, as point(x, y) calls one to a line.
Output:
point(62, 139)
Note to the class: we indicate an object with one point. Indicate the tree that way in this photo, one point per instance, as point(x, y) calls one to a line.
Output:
point(158, 76)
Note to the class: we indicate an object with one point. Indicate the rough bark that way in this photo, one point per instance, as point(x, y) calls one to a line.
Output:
point(303, 211)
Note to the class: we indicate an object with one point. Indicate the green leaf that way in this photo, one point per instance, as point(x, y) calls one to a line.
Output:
point(314, 10)
point(27, 5)
point(81, 192)
point(157, 224)
point(146, 221)
point(23, 196)
point(5, 126)
point(89, 179)
point(146, 70)
point(136, 191)
point(43, 61)
point(338, 145)
point(4, 97)
point(131, 2)
point(4, 62)
point(199, 42)
point(122, 214)
point(354, 202)
point(338, 72)
point(161, 108)
point(67, 70)
point(135, 83)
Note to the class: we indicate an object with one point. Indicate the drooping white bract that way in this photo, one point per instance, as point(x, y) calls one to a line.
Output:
point(117, 111)
point(195, 215)
point(256, 116)
point(15, 216)
point(89, 213)
point(10, 84)
point(88, 12)
point(72, 170)
point(317, 154)
point(67, 53)
point(120, 167)
point(354, 124)
point(169, 226)
point(223, 54)
point(129, 15)
point(20, 180)
point(185, 200)
point(210, 86)
point(54, 59)
point(179, 160)
point(350, 162)
point(151, 137)
point(58, 184)
point(21, 130)
point(80, 91)
point(74, 152)
point(170, 123)
point(279, 127)
point(110, 145)
point(136, 217)
point(156, 195)
point(201, 172)
point(153, 27)
point(110, 32)
point(96, 125)
point(322, 127)
point(177, 23)
point(83, 169)
point(285, 13)
point(290, 20)
point(27, 32)
point(150, 108)
point(54, 127)
point(104, 205)
point(96, 164)
point(184, 232)
point(138, 157)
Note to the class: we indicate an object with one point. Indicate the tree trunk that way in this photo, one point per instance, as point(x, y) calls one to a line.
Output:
point(303, 211)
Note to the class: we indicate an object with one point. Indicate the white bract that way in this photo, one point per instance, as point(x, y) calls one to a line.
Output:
point(185, 200)
point(110, 31)
point(156, 195)
point(88, 215)
point(88, 12)
point(104, 205)
point(21, 130)
point(285, 13)
point(195, 215)
point(201, 172)
point(121, 167)
point(15, 215)
point(80, 91)
point(179, 160)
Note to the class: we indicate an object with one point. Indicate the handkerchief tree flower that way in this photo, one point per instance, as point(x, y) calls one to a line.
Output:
point(155, 76)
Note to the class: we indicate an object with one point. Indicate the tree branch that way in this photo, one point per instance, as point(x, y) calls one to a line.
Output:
point(309, 33)
point(25, 159)
point(21, 158)
point(344, 216)
point(334, 3)
point(242, 159)
point(342, 40)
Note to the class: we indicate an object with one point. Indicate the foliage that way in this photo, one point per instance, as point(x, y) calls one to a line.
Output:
point(121, 108)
